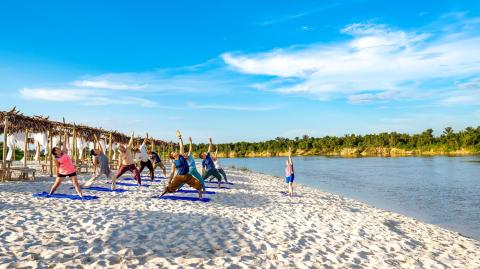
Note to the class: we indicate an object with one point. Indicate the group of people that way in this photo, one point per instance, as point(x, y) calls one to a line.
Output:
point(183, 170)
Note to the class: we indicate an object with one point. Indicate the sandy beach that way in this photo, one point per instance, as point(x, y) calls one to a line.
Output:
point(249, 224)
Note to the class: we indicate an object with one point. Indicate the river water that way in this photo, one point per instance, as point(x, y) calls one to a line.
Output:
point(440, 190)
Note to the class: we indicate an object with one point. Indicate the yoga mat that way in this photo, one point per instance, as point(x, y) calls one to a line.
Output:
point(216, 182)
point(153, 176)
point(129, 184)
point(101, 189)
point(155, 180)
point(195, 191)
point(208, 187)
point(182, 198)
point(67, 196)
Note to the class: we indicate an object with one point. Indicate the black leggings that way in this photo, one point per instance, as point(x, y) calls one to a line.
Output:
point(149, 165)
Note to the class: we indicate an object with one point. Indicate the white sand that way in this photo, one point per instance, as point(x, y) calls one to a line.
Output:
point(250, 225)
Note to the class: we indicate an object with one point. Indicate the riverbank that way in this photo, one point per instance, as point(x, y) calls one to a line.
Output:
point(250, 224)
point(354, 152)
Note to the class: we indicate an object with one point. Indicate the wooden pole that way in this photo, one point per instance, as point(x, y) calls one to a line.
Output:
point(4, 155)
point(25, 149)
point(74, 146)
point(110, 148)
point(38, 150)
point(50, 146)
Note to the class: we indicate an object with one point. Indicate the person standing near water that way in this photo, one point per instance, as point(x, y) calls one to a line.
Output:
point(65, 168)
point(126, 162)
point(192, 165)
point(180, 166)
point(103, 166)
point(208, 167)
point(218, 166)
point(289, 173)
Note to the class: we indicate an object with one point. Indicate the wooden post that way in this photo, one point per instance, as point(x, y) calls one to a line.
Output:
point(74, 145)
point(4, 155)
point(50, 146)
point(25, 149)
point(110, 148)
point(38, 150)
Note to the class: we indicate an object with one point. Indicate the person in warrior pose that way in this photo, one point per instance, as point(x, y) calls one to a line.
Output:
point(102, 164)
point(156, 161)
point(192, 166)
point(65, 168)
point(180, 166)
point(126, 163)
point(208, 167)
point(218, 166)
point(142, 156)
point(289, 173)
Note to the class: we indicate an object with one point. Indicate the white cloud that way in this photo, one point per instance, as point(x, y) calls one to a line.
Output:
point(377, 58)
point(82, 96)
point(105, 84)
point(233, 107)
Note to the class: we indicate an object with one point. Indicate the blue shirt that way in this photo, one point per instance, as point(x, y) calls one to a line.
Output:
point(191, 162)
point(181, 165)
point(208, 162)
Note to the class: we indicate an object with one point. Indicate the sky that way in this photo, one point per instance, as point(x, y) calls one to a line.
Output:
point(244, 70)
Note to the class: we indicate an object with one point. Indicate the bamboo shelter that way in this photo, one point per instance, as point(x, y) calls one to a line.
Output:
point(14, 121)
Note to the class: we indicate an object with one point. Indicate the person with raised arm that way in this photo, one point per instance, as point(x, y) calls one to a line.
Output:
point(103, 166)
point(156, 161)
point(126, 162)
point(192, 165)
point(289, 173)
point(142, 156)
point(208, 167)
point(180, 166)
point(218, 166)
point(65, 168)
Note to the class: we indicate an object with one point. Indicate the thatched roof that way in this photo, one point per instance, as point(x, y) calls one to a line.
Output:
point(17, 122)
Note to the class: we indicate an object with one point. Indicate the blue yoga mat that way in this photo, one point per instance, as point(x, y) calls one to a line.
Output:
point(216, 182)
point(155, 180)
point(146, 176)
point(209, 187)
point(130, 184)
point(67, 196)
point(195, 191)
point(101, 189)
point(182, 198)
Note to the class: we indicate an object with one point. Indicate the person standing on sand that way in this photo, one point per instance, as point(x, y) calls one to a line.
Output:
point(289, 173)
point(192, 165)
point(142, 156)
point(180, 165)
point(156, 161)
point(65, 168)
point(103, 166)
point(208, 167)
point(126, 162)
point(218, 166)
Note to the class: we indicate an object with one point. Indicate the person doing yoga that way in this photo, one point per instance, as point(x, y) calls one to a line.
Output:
point(216, 161)
point(193, 166)
point(102, 164)
point(156, 161)
point(65, 167)
point(180, 166)
point(208, 167)
point(142, 156)
point(126, 163)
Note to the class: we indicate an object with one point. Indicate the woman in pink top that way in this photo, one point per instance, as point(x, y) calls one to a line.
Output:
point(65, 168)
point(289, 174)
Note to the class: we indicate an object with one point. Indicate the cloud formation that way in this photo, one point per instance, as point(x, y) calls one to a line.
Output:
point(378, 62)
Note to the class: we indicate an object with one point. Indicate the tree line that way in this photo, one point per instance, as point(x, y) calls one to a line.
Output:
point(467, 140)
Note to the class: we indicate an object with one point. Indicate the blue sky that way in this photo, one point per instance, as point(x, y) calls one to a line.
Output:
point(244, 70)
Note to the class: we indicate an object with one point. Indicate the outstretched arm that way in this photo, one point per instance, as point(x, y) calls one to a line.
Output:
point(145, 140)
point(290, 155)
point(209, 144)
point(216, 151)
point(181, 150)
point(190, 148)
point(130, 143)
point(172, 173)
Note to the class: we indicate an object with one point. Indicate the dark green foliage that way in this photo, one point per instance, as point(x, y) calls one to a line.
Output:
point(448, 141)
